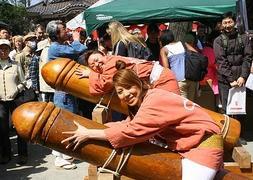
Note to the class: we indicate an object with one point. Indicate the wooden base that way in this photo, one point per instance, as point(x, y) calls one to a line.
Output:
point(93, 175)
point(242, 157)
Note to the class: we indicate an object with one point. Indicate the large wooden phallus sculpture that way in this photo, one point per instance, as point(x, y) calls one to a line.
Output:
point(60, 74)
point(43, 123)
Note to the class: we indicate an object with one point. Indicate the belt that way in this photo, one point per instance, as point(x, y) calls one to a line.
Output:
point(212, 141)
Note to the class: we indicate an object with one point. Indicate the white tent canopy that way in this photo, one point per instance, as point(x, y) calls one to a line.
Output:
point(76, 22)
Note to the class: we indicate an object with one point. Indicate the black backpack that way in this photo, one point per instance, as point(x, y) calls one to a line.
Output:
point(195, 66)
point(136, 50)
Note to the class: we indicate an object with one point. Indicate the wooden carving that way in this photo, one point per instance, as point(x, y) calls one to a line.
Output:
point(60, 74)
point(43, 123)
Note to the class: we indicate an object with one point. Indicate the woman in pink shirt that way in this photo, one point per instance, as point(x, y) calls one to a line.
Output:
point(104, 67)
point(212, 68)
point(173, 121)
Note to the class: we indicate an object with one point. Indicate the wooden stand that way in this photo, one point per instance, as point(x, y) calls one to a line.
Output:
point(101, 115)
point(242, 157)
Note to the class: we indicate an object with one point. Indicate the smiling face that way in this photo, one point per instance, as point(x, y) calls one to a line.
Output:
point(228, 24)
point(130, 96)
point(19, 44)
point(96, 63)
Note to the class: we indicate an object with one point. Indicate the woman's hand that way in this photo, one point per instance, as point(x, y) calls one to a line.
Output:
point(80, 135)
point(82, 72)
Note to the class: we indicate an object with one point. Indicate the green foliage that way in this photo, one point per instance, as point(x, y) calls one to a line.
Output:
point(15, 17)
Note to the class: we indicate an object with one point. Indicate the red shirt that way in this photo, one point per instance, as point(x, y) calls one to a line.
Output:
point(102, 83)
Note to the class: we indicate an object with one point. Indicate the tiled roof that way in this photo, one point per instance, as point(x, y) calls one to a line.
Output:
point(59, 7)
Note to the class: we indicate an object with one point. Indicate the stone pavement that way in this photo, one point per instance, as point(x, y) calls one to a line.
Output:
point(40, 166)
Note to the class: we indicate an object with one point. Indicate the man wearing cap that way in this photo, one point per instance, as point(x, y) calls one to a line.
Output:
point(27, 53)
point(12, 82)
point(25, 59)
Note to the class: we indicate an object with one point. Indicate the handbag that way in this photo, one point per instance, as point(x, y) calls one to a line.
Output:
point(236, 101)
point(27, 95)
point(249, 82)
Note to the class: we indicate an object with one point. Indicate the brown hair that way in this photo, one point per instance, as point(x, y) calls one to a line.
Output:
point(128, 78)
point(39, 26)
point(120, 65)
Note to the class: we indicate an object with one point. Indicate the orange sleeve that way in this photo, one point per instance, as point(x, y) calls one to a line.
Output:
point(99, 84)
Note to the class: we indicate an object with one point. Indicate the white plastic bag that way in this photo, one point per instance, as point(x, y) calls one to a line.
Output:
point(249, 82)
point(236, 101)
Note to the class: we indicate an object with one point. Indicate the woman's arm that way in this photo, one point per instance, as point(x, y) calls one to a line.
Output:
point(82, 134)
point(100, 84)
point(164, 58)
point(110, 124)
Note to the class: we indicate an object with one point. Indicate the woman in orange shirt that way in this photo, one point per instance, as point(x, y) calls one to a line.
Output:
point(173, 121)
point(104, 67)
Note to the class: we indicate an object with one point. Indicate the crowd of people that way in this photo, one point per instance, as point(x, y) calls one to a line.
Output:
point(150, 81)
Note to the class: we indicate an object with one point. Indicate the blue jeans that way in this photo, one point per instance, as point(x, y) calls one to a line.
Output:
point(65, 101)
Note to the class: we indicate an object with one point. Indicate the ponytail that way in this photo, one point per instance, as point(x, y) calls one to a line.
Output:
point(120, 65)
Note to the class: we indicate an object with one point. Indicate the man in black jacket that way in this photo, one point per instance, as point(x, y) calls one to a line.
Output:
point(233, 54)
point(233, 57)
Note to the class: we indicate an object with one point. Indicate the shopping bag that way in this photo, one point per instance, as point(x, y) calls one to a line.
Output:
point(249, 82)
point(236, 101)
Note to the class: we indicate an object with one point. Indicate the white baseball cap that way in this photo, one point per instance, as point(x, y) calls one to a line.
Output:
point(5, 42)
